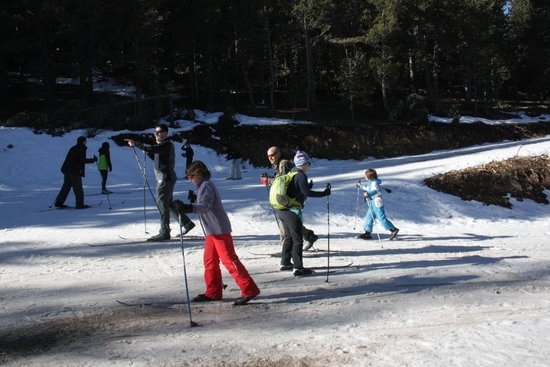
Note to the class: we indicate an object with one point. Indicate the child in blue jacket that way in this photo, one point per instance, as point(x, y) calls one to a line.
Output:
point(373, 196)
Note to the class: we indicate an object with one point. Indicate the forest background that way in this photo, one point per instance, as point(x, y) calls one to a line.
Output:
point(381, 61)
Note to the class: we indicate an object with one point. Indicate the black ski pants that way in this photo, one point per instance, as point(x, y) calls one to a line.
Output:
point(293, 241)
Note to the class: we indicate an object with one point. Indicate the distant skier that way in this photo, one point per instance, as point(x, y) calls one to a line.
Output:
point(188, 154)
point(104, 166)
point(373, 195)
point(235, 157)
point(73, 169)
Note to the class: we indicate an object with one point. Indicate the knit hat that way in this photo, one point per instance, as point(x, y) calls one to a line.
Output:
point(301, 159)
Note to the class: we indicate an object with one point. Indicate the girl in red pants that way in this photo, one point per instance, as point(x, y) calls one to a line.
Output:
point(218, 243)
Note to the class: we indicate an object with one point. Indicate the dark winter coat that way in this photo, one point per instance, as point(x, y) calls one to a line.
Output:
point(300, 189)
point(76, 160)
point(189, 153)
point(164, 157)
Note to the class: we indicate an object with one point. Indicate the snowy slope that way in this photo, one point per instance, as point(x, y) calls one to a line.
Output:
point(464, 285)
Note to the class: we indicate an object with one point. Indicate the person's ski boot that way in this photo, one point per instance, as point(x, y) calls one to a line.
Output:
point(365, 236)
point(310, 237)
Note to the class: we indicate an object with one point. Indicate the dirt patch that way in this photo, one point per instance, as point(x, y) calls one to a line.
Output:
point(496, 182)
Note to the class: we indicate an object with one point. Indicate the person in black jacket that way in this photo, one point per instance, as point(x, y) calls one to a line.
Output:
point(188, 153)
point(73, 169)
point(291, 219)
point(162, 153)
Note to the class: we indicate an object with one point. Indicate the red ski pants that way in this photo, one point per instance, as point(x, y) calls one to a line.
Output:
point(220, 248)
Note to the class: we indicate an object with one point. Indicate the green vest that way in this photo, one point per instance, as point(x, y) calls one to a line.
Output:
point(102, 164)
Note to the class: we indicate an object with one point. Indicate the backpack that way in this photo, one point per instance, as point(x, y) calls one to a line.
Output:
point(278, 197)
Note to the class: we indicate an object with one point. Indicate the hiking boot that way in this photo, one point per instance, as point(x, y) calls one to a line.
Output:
point(303, 272)
point(203, 298)
point(310, 241)
point(310, 237)
point(159, 237)
point(83, 206)
point(242, 300)
point(393, 233)
point(288, 267)
point(365, 236)
point(187, 227)
point(106, 192)
point(61, 206)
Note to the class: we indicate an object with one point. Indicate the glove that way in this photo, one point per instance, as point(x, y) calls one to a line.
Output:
point(191, 196)
point(327, 190)
point(264, 179)
point(310, 184)
point(358, 184)
point(95, 158)
point(180, 207)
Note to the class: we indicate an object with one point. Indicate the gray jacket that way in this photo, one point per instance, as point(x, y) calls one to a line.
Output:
point(210, 209)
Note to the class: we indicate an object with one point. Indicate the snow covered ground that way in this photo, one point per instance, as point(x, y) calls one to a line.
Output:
point(464, 285)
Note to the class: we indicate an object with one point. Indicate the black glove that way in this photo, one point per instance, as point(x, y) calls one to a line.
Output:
point(95, 158)
point(327, 190)
point(191, 196)
point(180, 207)
point(310, 185)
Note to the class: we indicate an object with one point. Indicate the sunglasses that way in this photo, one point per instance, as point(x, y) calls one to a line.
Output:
point(158, 132)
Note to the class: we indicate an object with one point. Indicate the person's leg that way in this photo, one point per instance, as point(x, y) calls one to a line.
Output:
point(63, 192)
point(76, 182)
point(293, 232)
point(237, 168)
point(286, 251)
point(226, 252)
point(165, 189)
point(380, 213)
point(369, 220)
point(103, 179)
point(212, 272)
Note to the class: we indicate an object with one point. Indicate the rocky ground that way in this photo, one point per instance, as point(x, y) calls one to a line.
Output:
point(494, 183)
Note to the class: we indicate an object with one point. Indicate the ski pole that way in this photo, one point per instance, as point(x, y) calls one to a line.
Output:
point(108, 200)
point(356, 205)
point(145, 179)
point(191, 322)
point(328, 234)
point(144, 205)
